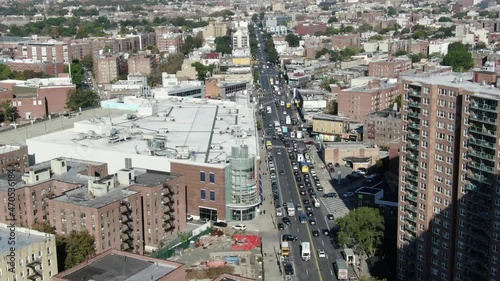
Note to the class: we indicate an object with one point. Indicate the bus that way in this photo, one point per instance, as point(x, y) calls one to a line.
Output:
point(315, 201)
point(305, 251)
point(269, 144)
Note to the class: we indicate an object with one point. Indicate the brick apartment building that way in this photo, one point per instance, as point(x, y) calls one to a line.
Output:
point(106, 68)
point(382, 127)
point(37, 98)
point(13, 157)
point(346, 40)
point(449, 201)
point(133, 210)
point(355, 103)
point(50, 68)
point(215, 29)
point(141, 64)
point(169, 42)
point(310, 28)
point(50, 50)
point(420, 47)
point(389, 68)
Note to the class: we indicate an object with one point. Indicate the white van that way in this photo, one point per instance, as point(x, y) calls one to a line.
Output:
point(279, 212)
point(305, 251)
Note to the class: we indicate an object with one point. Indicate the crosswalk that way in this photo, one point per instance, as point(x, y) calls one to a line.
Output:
point(335, 206)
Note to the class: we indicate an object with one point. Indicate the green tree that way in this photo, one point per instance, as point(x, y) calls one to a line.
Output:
point(202, 70)
point(321, 52)
point(255, 18)
point(77, 73)
point(376, 38)
point(154, 49)
point(458, 57)
point(398, 101)
point(400, 53)
point(259, 125)
point(480, 45)
point(391, 11)
point(416, 57)
point(4, 72)
point(362, 229)
point(80, 246)
point(87, 62)
point(224, 44)
point(82, 99)
point(9, 112)
point(293, 40)
point(332, 108)
point(44, 227)
point(445, 19)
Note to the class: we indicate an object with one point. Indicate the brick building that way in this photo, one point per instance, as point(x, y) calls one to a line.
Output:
point(420, 47)
point(355, 103)
point(346, 40)
point(50, 50)
point(310, 28)
point(215, 29)
point(38, 98)
point(106, 68)
point(13, 157)
point(48, 67)
point(118, 265)
point(141, 64)
point(329, 127)
point(381, 128)
point(389, 68)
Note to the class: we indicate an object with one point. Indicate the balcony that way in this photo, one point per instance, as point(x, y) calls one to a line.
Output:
point(412, 178)
point(483, 119)
point(414, 93)
point(412, 167)
point(482, 190)
point(411, 218)
point(480, 178)
point(480, 166)
point(482, 143)
point(482, 155)
point(410, 228)
point(414, 104)
point(411, 187)
point(414, 125)
point(483, 131)
point(412, 156)
point(410, 208)
point(414, 115)
point(411, 198)
point(483, 106)
point(409, 238)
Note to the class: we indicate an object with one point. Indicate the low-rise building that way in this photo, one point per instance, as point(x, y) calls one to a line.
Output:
point(329, 127)
point(48, 67)
point(13, 158)
point(382, 127)
point(42, 51)
point(118, 265)
point(355, 155)
point(355, 103)
point(26, 254)
point(390, 68)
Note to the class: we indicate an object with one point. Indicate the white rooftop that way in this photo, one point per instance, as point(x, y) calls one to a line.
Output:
point(161, 131)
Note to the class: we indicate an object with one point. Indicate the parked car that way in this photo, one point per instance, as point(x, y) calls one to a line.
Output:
point(326, 232)
point(330, 217)
point(289, 237)
point(203, 220)
point(281, 226)
point(220, 224)
point(310, 214)
point(189, 217)
point(288, 268)
point(330, 195)
point(239, 227)
point(286, 220)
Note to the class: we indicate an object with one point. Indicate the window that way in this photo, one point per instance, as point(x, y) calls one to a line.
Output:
point(203, 194)
point(212, 195)
point(212, 178)
point(202, 176)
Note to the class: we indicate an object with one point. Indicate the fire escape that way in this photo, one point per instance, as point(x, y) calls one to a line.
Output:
point(35, 273)
point(127, 237)
point(168, 208)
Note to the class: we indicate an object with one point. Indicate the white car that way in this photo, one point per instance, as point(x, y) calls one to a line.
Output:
point(278, 152)
point(240, 227)
point(321, 254)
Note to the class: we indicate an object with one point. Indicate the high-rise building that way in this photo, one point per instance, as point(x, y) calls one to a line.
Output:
point(106, 68)
point(449, 203)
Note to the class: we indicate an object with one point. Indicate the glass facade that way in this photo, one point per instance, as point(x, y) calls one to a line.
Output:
point(242, 191)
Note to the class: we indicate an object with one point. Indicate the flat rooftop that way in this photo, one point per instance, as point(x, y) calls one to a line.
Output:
point(24, 238)
point(80, 196)
point(190, 129)
point(346, 145)
point(369, 190)
point(152, 178)
point(8, 148)
point(116, 267)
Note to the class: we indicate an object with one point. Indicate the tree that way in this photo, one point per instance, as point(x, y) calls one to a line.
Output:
point(44, 227)
point(376, 38)
point(87, 62)
point(293, 40)
point(224, 44)
point(362, 229)
point(332, 108)
point(5, 72)
point(80, 246)
point(391, 11)
point(400, 53)
point(9, 112)
point(82, 99)
point(154, 49)
point(77, 73)
point(480, 45)
point(445, 19)
point(321, 52)
point(259, 125)
point(458, 57)
point(202, 70)
point(255, 18)
point(397, 100)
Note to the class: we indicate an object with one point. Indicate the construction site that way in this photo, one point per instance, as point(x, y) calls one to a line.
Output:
point(219, 252)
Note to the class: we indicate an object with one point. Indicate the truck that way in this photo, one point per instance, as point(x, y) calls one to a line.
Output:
point(276, 124)
point(341, 269)
point(288, 120)
point(269, 110)
point(269, 145)
point(305, 251)
point(290, 209)
point(304, 167)
point(298, 134)
point(271, 81)
point(285, 249)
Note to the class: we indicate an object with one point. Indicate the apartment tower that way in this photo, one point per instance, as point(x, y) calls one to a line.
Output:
point(449, 203)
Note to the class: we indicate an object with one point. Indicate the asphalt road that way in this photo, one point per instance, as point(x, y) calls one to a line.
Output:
point(316, 268)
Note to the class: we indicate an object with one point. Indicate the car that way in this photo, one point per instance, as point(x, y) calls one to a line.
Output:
point(301, 186)
point(282, 172)
point(308, 184)
point(288, 237)
point(239, 227)
point(362, 171)
point(288, 268)
point(315, 232)
point(308, 208)
point(305, 201)
point(295, 173)
point(330, 195)
point(321, 254)
point(189, 217)
point(299, 208)
point(306, 176)
point(348, 194)
point(372, 178)
point(337, 165)
point(281, 226)
point(312, 221)
point(278, 152)
point(220, 224)
point(310, 190)
point(284, 204)
point(298, 178)
point(326, 232)
point(203, 220)
point(302, 192)
point(294, 163)
point(286, 220)
point(310, 214)
point(312, 194)
point(330, 217)
point(319, 187)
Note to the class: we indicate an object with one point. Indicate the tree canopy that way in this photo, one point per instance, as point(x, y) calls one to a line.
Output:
point(202, 70)
point(458, 57)
point(77, 72)
point(7, 111)
point(79, 247)
point(293, 40)
point(80, 98)
point(362, 229)
point(224, 44)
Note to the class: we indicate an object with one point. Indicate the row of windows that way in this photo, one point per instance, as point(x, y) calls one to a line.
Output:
point(204, 195)
point(211, 177)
